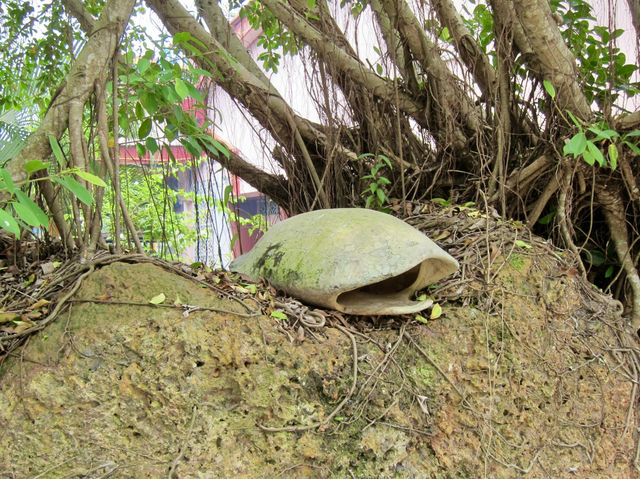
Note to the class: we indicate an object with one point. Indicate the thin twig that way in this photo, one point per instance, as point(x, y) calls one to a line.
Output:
point(185, 307)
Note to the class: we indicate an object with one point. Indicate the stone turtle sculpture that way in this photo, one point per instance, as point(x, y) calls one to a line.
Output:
point(353, 260)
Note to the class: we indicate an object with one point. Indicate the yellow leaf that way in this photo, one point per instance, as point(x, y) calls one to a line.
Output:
point(158, 299)
point(8, 317)
point(436, 311)
point(38, 304)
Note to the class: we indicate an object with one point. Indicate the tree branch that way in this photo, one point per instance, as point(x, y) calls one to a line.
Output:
point(634, 7)
point(221, 30)
point(613, 206)
point(348, 65)
point(262, 100)
point(452, 105)
point(92, 63)
point(475, 60)
point(80, 13)
point(551, 59)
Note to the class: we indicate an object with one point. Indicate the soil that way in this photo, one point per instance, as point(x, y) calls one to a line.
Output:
point(529, 370)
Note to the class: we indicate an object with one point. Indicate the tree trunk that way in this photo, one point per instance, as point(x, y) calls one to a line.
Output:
point(551, 59)
point(91, 64)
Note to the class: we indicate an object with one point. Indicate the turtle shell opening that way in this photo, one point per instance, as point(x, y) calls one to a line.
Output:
point(389, 296)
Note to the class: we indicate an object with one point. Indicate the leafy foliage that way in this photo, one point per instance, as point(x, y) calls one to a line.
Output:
point(32, 59)
point(275, 37)
point(376, 193)
point(22, 212)
point(603, 67)
point(163, 232)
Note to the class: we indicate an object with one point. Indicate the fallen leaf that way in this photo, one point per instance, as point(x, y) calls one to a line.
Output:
point(38, 304)
point(278, 315)
point(522, 244)
point(443, 235)
point(158, 299)
point(8, 317)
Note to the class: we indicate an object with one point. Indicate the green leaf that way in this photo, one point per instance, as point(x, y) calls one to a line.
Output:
point(158, 299)
point(143, 64)
point(597, 154)
point(608, 134)
point(139, 111)
point(278, 315)
point(596, 257)
point(421, 319)
point(145, 128)
point(192, 146)
point(40, 216)
point(199, 72)
point(367, 203)
point(633, 147)
point(548, 86)
point(7, 182)
point(32, 166)
point(588, 158)
point(577, 122)
point(609, 272)
point(25, 214)
point(194, 92)
point(220, 147)
point(576, 145)
point(149, 102)
point(76, 188)
point(151, 144)
point(546, 219)
point(522, 244)
point(613, 156)
point(181, 89)
point(233, 241)
point(7, 222)
point(141, 150)
point(436, 311)
point(93, 179)
point(182, 37)
point(57, 151)
point(208, 144)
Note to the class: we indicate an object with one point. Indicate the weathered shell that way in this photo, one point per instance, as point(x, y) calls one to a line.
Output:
point(353, 260)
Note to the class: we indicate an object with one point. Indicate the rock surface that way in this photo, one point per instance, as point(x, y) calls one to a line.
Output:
point(527, 379)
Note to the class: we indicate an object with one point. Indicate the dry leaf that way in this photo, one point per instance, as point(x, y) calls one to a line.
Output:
point(38, 304)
